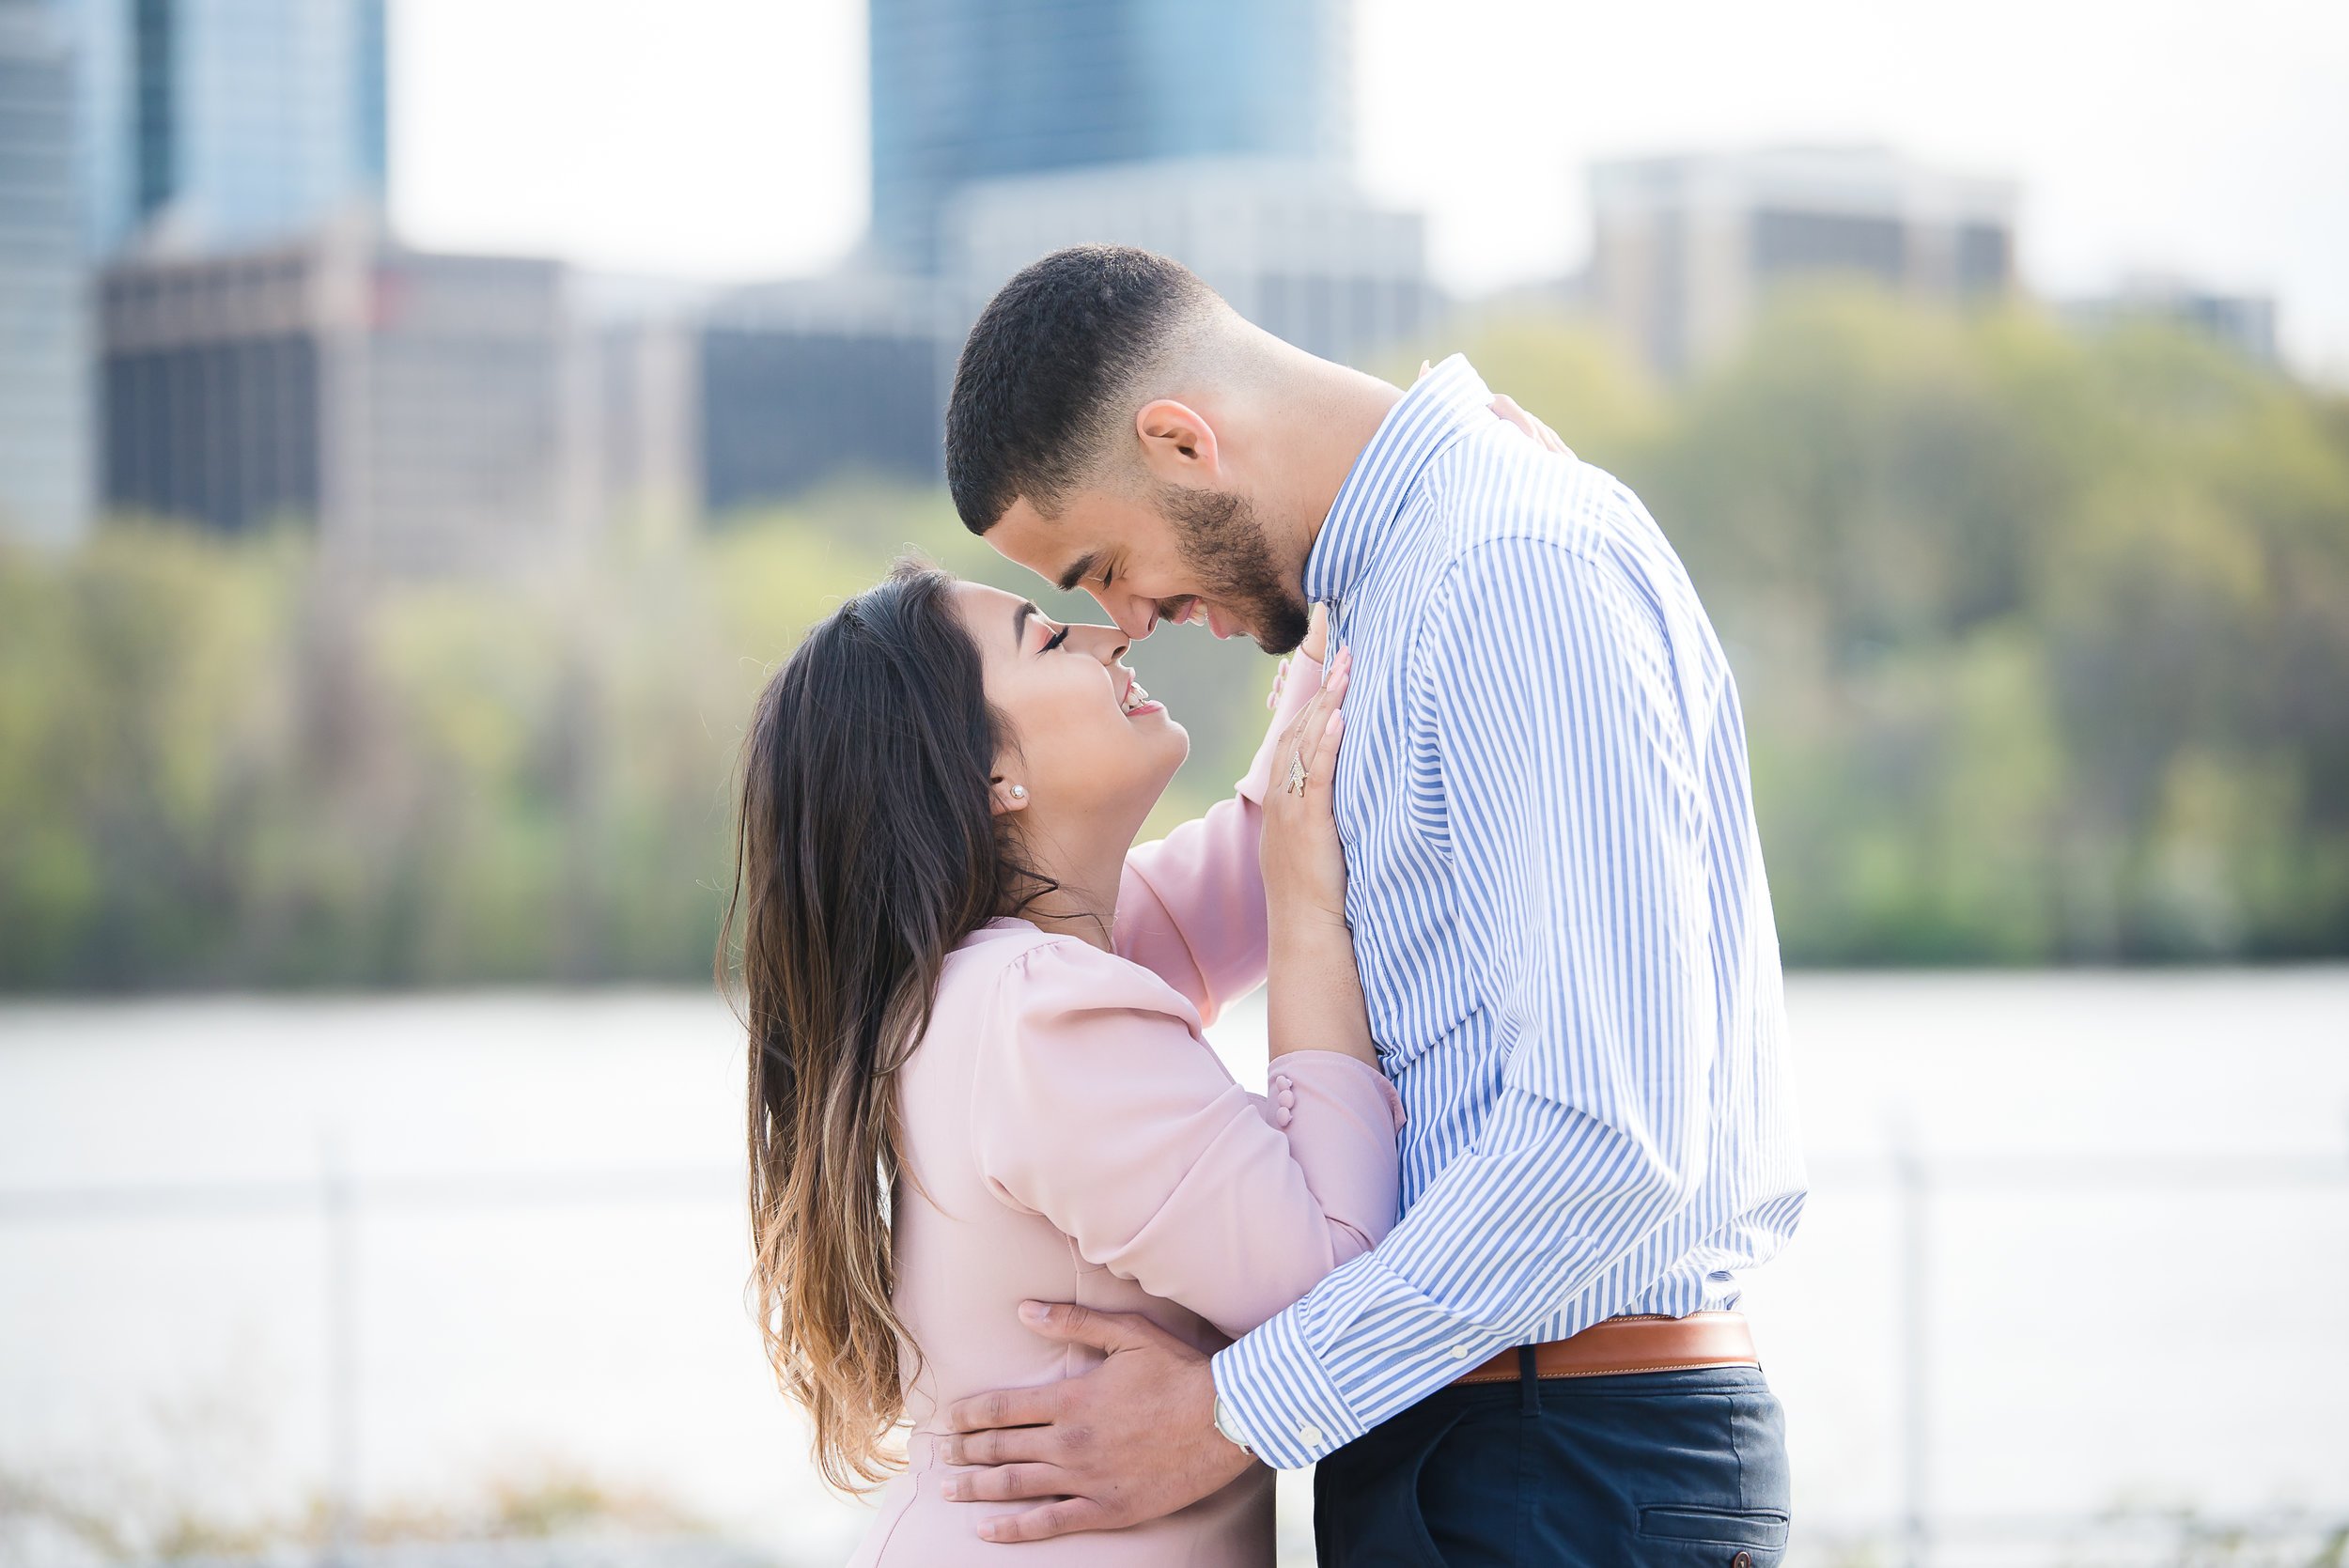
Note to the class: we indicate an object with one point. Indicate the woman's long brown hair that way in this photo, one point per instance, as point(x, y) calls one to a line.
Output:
point(865, 850)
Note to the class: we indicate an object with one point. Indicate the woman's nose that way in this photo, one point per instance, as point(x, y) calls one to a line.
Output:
point(1109, 643)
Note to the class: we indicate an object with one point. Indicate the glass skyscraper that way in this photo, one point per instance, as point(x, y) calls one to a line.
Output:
point(45, 461)
point(214, 123)
point(965, 90)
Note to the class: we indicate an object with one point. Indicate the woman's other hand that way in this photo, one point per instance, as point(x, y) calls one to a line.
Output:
point(1506, 407)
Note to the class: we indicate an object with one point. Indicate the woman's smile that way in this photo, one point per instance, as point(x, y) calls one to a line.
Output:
point(1134, 701)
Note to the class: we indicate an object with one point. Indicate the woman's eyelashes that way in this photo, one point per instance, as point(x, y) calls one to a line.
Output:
point(1057, 639)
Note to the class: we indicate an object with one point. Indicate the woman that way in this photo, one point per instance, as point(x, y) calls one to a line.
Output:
point(977, 1070)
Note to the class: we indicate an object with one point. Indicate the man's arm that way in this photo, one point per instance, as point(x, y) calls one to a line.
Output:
point(1573, 810)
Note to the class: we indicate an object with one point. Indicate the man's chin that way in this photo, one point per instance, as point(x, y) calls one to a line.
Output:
point(1276, 629)
point(1269, 639)
point(1274, 645)
point(1285, 632)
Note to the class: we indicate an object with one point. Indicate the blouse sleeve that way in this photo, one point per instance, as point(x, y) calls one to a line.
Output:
point(1097, 1106)
point(1190, 906)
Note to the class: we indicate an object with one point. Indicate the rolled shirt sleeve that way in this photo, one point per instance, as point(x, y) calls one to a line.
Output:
point(1571, 806)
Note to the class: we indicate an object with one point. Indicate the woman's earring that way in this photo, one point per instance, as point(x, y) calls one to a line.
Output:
point(1019, 792)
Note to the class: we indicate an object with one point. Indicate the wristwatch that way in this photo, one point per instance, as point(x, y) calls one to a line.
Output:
point(1230, 1428)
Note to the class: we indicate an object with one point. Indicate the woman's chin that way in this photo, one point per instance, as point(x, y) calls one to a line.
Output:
point(1178, 743)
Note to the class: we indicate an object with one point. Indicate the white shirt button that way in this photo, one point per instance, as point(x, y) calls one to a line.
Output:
point(1309, 1435)
point(1459, 1352)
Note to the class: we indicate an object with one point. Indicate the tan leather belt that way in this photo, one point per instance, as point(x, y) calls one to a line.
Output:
point(1619, 1345)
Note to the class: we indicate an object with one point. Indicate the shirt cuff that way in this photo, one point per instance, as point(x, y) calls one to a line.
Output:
point(1279, 1396)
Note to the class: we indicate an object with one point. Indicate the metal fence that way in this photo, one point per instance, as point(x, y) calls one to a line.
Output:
point(1921, 1535)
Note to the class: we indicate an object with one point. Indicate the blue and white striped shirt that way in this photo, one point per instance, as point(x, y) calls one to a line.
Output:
point(1566, 939)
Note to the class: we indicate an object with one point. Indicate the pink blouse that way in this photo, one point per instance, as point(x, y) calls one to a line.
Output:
point(1072, 1137)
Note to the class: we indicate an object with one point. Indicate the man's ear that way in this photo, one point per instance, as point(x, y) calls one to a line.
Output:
point(1178, 444)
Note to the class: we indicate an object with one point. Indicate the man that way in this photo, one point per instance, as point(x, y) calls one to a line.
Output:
point(1565, 940)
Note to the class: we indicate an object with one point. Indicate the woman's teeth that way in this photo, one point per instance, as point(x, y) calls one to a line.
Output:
point(1135, 697)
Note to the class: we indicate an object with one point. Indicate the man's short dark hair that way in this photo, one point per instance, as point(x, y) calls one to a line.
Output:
point(1037, 386)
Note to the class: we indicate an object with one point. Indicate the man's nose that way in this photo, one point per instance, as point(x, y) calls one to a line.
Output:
point(1134, 616)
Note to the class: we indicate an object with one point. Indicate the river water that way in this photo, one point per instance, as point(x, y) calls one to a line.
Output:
point(2124, 1282)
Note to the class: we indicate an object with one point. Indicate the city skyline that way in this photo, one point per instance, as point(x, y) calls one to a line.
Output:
point(2142, 139)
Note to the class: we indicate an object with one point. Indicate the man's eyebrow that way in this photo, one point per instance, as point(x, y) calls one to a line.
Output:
point(1083, 568)
point(1020, 622)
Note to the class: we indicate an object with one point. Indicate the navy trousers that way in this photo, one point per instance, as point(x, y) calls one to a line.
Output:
point(1678, 1470)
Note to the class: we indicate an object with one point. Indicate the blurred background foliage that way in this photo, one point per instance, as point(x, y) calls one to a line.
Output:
point(2041, 641)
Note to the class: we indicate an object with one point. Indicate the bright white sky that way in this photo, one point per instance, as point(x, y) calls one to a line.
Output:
point(726, 138)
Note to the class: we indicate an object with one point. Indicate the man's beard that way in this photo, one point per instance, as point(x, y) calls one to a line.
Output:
point(1218, 538)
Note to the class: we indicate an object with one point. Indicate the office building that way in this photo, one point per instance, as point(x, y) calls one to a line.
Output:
point(646, 404)
point(1291, 245)
point(805, 383)
point(1685, 249)
point(2243, 322)
point(422, 412)
point(641, 399)
point(221, 124)
point(966, 90)
point(45, 418)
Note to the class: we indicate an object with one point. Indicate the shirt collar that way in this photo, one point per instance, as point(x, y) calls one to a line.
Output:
point(1440, 408)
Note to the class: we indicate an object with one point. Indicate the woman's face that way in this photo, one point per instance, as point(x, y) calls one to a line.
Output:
point(1089, 740)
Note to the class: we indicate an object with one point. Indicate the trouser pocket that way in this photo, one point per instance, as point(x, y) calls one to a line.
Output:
point(1367, 1496)
point(1683, 1469)
point(1733, 1537)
